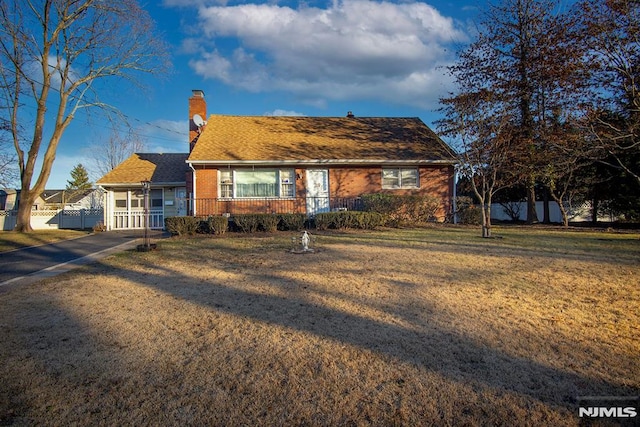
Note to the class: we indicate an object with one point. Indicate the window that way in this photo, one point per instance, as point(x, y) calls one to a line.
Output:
point(226, 184)
point(395, 178)
point(155, 199)
point(287, 183)
point(121, 199)
point(248, 183)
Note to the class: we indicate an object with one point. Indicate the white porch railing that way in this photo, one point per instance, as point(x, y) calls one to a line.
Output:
point(135, 219)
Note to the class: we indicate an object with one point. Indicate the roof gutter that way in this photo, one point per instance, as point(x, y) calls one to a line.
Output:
point(321, 162)
point(137, 184)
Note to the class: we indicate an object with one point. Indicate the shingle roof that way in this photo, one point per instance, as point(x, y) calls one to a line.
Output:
point(65, 196)
point(269, 138)
point(158, 168)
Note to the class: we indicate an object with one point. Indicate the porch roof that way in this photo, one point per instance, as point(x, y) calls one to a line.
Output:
point(167, 168)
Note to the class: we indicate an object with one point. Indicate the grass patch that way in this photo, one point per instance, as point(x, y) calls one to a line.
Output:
point(10, 240)
point(432, 326)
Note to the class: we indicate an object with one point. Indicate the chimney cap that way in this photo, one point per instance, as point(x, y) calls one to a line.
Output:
point(198, 92)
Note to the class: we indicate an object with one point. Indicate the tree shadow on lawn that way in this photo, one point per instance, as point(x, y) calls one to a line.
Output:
point(623, 252)
point(430, 345)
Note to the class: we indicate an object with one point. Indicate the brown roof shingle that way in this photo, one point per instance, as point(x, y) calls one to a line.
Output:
point(156, 167)
point(269, 138)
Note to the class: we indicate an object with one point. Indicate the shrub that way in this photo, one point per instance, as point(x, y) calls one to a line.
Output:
point(349, 219)
point(250, 223)
point(468, 213)
point(402, 209)
point(291, 222)
point(268, 222)
point(181, 225)
point(217, 224)
point(246, 223)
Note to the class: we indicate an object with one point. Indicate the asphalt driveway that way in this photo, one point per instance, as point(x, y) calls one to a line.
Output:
point(34, 263)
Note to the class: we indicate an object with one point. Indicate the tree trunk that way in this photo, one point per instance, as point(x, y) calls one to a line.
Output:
point(23, 218)
point(563, 210)
point(546, 216)
point(486, 221)
point(594, 210)
point(532, 216)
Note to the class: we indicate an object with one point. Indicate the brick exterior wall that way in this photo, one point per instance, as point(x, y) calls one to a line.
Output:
point(344, 182)
point(197, 105)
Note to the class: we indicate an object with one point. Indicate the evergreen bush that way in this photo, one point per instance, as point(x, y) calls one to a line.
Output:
point(181, 225)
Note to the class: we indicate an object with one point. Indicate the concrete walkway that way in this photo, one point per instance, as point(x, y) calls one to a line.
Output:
point(28, 265)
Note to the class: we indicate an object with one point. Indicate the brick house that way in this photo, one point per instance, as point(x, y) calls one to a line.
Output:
point(311, 164)
point(267, 164)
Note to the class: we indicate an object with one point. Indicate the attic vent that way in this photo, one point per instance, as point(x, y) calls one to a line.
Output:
point(350, 114)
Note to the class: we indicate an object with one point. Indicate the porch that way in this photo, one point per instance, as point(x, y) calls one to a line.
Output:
point(306, 205)
point(134, 219)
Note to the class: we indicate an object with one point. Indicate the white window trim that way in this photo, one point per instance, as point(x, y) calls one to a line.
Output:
point(400, 185)
point(279, 180)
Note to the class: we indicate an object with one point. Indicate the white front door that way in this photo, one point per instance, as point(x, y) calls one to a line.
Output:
point(317, 191)
point(181, 201)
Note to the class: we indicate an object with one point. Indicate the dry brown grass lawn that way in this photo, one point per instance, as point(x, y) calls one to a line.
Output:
point(11, 240)
point(402, 327)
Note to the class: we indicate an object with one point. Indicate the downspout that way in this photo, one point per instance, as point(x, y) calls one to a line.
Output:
point(455, 195)
point(192, 196)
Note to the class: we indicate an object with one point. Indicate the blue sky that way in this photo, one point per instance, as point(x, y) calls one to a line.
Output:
point(313, 58)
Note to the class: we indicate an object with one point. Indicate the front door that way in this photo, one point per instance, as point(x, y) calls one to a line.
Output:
point(181, 201)
point(317, 191)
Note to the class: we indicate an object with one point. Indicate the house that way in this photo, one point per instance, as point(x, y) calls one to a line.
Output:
point(8, 199)
point(68, 209)
point(311, 164)
point(90, 198)
point(240, 164)
point(55, 199)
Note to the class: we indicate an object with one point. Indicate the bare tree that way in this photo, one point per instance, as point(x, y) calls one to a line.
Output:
point(117, 148)
point(8, 170)
point(610, 30)
point(483, 136)
point(55, 56)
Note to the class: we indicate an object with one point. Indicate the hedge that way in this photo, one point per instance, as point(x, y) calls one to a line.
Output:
point(402, 209)
point(291, 222)
point(181, 225)
point(215, 224)
point(349, 219)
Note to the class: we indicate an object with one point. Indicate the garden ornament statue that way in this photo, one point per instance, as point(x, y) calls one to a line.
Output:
point(305, 241)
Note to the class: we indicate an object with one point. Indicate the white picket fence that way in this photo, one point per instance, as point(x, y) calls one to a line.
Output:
point(59, 218)
point(578, 213)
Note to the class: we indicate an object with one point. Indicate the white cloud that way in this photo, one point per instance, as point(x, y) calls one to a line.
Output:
point(279, 112)
point(356, 49)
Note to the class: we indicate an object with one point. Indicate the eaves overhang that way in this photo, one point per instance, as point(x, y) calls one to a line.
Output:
point(138, 184)
point(325, 162)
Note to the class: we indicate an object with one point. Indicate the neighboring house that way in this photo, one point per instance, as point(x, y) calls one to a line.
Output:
point(55, 199)
point(124, 199)
point(241, 164)
point(55, 209)
point(91, 198)
point(8, 199)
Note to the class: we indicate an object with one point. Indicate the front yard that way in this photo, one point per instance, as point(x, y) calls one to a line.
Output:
point(430, 326)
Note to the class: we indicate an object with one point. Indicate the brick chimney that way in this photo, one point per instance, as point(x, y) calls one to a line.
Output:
point(197, 105)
